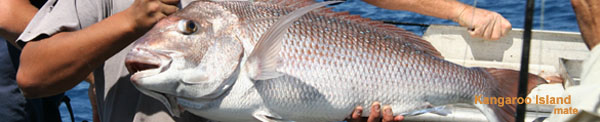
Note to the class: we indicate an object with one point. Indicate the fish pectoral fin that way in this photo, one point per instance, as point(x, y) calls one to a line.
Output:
point(264, 59)
point(439, 110)
point(265, 116)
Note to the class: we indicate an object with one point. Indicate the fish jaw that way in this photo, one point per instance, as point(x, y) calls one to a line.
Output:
point(145, 64)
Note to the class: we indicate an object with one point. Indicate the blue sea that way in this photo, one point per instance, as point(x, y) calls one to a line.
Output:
point(558, 16)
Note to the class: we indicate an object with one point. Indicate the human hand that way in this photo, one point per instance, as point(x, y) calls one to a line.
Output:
point(483, 23)
point(587, 12)
point(146, 13)
point(375, 114)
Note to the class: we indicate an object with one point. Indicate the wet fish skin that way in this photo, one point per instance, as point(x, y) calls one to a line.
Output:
point(329, 63)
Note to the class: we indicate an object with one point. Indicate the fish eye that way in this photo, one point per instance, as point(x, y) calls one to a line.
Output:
point(187, 27)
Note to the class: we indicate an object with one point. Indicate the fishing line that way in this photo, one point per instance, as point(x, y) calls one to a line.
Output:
point(543, 2)
point(473, 15)
point(541, 28)
point(471, 28)
point(541, 47)
point(542, 15)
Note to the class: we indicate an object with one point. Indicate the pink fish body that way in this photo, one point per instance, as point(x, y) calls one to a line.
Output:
point(205, 58)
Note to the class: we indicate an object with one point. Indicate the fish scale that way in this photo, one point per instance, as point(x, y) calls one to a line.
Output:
point(329, 63)
point(355, 51)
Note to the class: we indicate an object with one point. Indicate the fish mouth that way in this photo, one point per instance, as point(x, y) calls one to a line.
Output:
point(142, 62)
point(141, 69)
point(135, 66)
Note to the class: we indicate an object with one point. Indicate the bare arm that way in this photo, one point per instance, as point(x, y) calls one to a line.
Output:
point(14, 16)
point(587, 12)
point(445, 9)
point(53, 65)
point(482, 23)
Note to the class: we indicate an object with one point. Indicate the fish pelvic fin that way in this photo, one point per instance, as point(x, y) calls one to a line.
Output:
point(507, 82)
point(266, 116)
point(264, 60)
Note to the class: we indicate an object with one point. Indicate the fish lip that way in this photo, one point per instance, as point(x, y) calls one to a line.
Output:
point(142, 62)
point(140, 59)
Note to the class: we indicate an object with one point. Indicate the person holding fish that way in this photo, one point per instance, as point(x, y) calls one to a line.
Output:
point(69, 39)
point(14, 107)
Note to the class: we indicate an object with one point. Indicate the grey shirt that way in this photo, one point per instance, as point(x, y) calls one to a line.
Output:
point(118, 100)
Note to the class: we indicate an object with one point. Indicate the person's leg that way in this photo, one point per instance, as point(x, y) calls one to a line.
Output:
point(588, 18)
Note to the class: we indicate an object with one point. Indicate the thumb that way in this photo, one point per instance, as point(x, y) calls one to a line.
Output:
point(506, 26)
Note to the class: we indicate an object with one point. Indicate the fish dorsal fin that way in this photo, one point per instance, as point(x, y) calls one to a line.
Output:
point(416, 41)
point(264, 59)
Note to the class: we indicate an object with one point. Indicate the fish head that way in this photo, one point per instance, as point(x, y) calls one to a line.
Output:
point(193, 54)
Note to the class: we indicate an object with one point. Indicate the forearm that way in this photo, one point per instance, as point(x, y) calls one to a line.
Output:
point(58, 63)
point(480, 23)
point(586, 12)
point(14, 17)
point(445, 9)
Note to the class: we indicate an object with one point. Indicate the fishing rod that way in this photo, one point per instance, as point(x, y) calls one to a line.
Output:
point(523, 73)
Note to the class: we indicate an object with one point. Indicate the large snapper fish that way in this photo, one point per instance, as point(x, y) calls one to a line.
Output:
point(287, 61)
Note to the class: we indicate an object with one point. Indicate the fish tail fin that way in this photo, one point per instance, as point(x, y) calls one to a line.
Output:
point(506, 89)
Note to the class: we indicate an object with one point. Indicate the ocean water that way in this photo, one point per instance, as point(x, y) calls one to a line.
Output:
point(80, 102)
point(558, 16)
